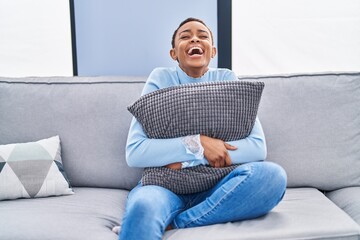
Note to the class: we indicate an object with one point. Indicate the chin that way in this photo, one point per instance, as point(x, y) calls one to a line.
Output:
point(198, 64)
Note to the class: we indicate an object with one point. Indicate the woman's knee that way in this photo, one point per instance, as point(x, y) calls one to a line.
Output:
point(269, 180)
point(277, 175)
point(268, 172)
point(268, 176)
point(274, 180)
point(146, 200)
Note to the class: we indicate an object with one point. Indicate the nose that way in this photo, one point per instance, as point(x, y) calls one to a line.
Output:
point(195, 39)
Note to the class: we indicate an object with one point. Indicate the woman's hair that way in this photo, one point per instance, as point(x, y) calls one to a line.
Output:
point(191, 19)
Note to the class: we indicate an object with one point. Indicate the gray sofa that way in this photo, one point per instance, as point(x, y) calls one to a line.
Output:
point(312, 126)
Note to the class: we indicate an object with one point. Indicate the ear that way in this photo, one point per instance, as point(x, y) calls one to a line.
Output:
point(173, 54)
point(213, 54)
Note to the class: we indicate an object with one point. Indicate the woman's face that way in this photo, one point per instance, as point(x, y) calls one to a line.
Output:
point(193, 48)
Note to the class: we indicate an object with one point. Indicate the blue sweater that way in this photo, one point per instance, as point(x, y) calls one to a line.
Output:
point(142, 151)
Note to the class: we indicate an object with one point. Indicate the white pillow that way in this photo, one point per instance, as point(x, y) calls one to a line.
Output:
point(33, 169)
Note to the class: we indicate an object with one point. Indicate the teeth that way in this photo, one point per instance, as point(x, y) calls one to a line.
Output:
point(195, 48)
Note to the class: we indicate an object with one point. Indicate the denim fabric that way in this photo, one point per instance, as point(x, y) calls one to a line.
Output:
point(249, 191)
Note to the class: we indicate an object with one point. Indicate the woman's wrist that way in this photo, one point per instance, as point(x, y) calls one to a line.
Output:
point(193, 145)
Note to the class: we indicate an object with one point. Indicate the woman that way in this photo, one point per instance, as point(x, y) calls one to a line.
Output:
point(249, 191)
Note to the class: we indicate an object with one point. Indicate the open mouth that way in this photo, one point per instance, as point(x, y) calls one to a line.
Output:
point(195, 51)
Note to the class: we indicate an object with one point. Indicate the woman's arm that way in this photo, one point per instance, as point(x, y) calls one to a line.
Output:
point(251, 148)
point(220, 154)
point(142, 151)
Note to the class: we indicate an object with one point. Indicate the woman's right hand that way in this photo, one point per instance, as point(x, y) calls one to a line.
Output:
point(216, 151)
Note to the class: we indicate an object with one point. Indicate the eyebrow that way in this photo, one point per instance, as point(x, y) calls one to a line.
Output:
point(188, 30)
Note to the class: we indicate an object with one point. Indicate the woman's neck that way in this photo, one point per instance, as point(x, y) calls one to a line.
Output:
point(195, 72)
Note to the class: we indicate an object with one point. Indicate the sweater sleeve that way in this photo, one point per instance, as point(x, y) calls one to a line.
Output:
point(250, 149)
point(142, 151)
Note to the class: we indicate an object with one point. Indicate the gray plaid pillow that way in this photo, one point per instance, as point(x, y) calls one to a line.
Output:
point(225, 110)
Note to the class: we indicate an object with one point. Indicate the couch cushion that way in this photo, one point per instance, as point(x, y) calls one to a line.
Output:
point(31, 170)
point(348, 199)
point(90, 214)
point(89, 115)
point(312, 127)
point(303, 214)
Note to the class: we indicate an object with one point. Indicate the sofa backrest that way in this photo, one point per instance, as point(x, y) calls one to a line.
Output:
point(312, 127)
point(311, 124)
point(89, 115)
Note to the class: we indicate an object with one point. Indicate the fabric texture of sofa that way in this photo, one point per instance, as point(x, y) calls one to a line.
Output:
point(311, 124)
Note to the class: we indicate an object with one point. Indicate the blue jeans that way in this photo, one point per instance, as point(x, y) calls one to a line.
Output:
point(249, 191)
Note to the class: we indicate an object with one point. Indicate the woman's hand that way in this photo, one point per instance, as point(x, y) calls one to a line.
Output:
point(216, 151)
point(176, 166)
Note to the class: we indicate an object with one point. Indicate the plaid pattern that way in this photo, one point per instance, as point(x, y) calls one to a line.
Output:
point(225, 110)
point(187, 180)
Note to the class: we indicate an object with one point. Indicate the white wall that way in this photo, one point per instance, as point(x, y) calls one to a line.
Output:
point(282, 36)
point(35, 38)
point(269, 37)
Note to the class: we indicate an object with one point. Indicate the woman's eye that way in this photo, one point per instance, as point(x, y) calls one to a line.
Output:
point(204, 36)
point(184, 37)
